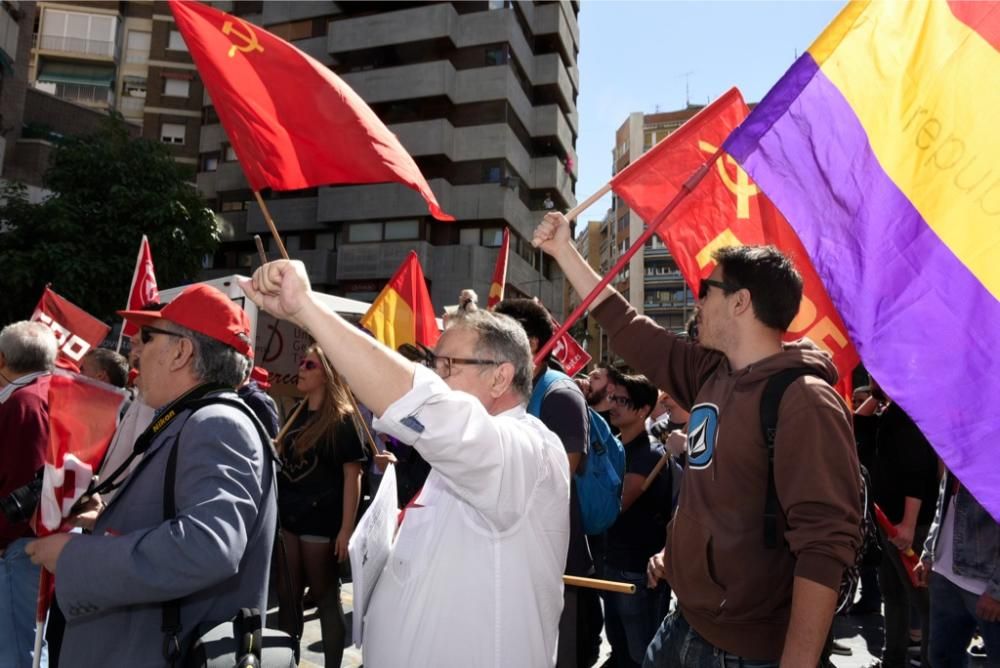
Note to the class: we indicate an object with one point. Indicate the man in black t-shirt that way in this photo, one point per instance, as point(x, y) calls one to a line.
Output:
point(564, 411)
point(640, 530)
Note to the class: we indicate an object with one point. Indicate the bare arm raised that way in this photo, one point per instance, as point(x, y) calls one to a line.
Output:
point(553, 236)
point(378, 376)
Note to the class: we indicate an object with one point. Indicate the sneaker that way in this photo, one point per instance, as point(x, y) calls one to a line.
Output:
point(839, 648)
point(977, 649)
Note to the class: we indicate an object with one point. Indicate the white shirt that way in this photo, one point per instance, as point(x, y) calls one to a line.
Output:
point(137, 417)
point(475, 575)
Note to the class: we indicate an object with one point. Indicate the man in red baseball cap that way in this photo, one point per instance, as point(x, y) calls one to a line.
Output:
point(204, 444)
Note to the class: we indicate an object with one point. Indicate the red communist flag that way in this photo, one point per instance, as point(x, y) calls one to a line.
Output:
point(727, 209)
point(570, 354)
point(499, 272)
point(292, 122)
point(76, 330)
point(144, 288)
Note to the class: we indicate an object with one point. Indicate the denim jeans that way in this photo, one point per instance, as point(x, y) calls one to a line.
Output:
point(953, 621)
point(18, 601)
point(631, 620)
point(677, 644)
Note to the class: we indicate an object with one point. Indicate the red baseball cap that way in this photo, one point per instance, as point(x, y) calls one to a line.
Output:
point(203, 309)
point(261, 376)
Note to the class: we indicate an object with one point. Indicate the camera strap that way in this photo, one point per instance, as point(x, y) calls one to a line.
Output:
point(166, 417)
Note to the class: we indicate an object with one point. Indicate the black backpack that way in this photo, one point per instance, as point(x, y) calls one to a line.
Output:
point(868, 549)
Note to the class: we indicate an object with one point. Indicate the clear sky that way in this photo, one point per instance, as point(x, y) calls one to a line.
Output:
point(641, 56)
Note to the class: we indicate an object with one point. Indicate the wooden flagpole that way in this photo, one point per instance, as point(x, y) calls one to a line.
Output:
point(359, 419)
point(603, 585)
point(685, 190)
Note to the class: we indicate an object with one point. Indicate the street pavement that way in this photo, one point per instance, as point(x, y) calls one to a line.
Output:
point(862, 634)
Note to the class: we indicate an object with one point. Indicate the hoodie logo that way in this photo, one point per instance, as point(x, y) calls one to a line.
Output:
point(703, 430)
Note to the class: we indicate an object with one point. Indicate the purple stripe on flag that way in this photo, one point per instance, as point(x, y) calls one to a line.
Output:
point(922, 322)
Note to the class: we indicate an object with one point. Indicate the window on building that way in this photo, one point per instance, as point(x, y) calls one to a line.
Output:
point(77, 32)
point(496, 55)
point(137, 46)
point(175, 42)
point(172, 133)
point(397, 230)
point(210, 164)
point(492, 173)
point(497, 4)
point(176, 87)
point(468, 236)
point(492, 237)
point(366, 232)
point(231, 154)
point(134, 87)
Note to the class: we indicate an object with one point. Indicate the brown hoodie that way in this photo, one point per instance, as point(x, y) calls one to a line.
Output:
point(733, 590)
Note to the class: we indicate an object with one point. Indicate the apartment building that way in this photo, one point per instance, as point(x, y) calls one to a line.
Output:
point(126, 56)
point(482, 94)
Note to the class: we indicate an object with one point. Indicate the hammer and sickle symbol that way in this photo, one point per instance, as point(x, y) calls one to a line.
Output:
point(740, 186)
point(249, 38)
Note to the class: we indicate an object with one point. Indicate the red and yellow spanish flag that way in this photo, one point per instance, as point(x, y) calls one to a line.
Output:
point(402, 312)
point(500, 273)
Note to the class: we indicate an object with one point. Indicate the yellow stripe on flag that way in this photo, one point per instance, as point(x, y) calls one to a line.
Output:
point(390, 319)
point(933, 124)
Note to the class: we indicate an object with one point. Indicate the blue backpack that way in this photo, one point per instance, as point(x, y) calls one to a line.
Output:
point(599, 484)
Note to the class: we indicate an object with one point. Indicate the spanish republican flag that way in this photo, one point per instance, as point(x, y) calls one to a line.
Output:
point(500, 273)
point(402, 312)
point(292, 122)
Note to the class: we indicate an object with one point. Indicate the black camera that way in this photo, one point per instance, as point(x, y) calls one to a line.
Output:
point(19, 505)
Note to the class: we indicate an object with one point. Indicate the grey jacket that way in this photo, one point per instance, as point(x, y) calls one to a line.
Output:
point(976, 544)
point(214, 557)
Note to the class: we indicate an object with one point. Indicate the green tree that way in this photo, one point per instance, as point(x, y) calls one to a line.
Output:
point(107, 191)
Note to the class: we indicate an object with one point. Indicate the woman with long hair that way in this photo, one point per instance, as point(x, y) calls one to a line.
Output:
point(319, 488)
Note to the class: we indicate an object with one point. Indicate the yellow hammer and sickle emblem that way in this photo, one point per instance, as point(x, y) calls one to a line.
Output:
point(249, 38)
point(741, 186)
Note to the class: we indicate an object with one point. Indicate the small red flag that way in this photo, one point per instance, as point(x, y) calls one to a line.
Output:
point(500, 272)
point(143, 290)
point(292, 122)
point(403, 312)
point(570, 354)
point(83, 414)
point(76, 330)
point(727, 209)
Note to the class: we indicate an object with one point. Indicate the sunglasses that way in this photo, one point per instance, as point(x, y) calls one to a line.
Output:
point(707, 283)
point(146, 333)
point(308, 365)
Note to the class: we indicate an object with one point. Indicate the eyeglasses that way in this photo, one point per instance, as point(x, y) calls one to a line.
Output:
point(146, 333)
point(707, 283)
point(624, 402)
point(308, 365)
point(443, 365)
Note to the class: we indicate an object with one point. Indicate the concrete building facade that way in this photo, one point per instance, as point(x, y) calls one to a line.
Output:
point(482, 95)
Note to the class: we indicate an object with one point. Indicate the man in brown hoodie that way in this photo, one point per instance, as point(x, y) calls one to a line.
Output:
point(741, 602)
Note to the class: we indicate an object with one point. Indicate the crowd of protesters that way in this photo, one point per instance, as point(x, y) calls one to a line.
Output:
point(736, 556)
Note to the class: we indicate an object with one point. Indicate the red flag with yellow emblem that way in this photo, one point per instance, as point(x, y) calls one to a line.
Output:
point(727, 209)
point(292, 122)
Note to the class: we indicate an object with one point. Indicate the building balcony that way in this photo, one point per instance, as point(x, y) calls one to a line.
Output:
point(394, 27)
point(90, 48)
point(550, 19)
point(288, 214)
point(550, 70)
point(668, 307)
point(132, 107)
point(379, 260)
point(673, 278)
point(550, 173)
point(405, 82)
point(321, 265)
point(655, 252)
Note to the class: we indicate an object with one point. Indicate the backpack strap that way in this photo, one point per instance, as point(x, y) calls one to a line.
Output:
point(769, 404)
point(541, 388)
point(171, 617)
